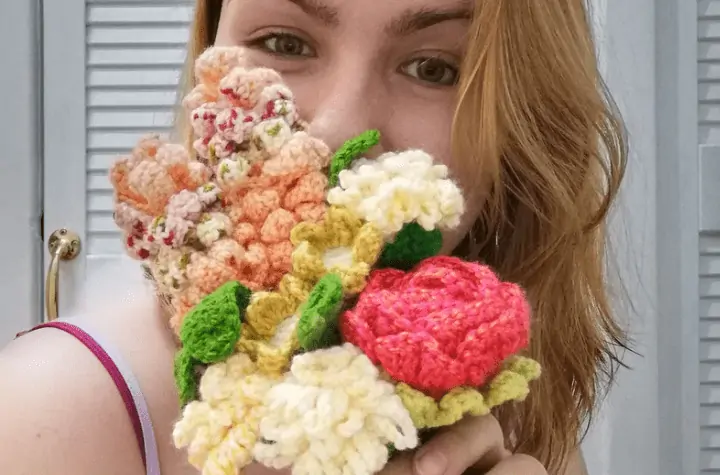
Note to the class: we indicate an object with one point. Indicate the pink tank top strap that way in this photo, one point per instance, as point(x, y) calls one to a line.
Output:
point(124, 381)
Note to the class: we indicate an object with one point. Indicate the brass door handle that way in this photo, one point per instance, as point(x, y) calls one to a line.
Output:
point(63, 245)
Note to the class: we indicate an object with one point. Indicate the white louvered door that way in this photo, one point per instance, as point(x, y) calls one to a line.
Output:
point(111, 71)
point(709, 232)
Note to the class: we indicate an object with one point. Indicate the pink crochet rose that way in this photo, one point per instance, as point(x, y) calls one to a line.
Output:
point(445, 324)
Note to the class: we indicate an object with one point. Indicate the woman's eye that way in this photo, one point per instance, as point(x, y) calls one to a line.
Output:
point(432, 70)
point(284, 44)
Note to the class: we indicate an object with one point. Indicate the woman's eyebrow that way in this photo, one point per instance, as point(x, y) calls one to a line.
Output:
point(318, 10)
point(410, 21)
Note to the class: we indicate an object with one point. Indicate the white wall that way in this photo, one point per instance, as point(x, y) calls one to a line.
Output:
point(624, 438)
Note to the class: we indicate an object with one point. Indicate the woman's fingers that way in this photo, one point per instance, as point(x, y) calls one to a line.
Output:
point(518, 464)
point(476, 441)
point(401, 464)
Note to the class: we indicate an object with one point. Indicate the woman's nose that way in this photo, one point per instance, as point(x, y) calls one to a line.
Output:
point(345, 107)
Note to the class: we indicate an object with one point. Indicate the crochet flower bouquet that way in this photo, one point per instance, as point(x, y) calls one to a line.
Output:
point(318, 328)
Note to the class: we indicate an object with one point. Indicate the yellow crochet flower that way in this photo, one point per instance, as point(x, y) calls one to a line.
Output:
point(273, 356)
point(342, 244)
point(269, 332)
point(221, 429)
point(268, 309)
point(511, 384)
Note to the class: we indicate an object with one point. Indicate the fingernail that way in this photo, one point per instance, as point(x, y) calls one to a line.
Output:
point(431, 462)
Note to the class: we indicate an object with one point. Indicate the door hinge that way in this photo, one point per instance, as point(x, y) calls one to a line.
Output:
point(42, 225)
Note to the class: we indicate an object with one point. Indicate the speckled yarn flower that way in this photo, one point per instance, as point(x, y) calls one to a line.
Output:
point(333, 414)
point(225, 211)
point(445, 324)
point(147, 184)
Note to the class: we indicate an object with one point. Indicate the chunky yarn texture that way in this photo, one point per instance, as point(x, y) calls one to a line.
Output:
point(318, 329)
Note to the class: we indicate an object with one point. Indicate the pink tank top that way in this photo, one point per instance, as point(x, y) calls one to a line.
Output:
point(125, 382)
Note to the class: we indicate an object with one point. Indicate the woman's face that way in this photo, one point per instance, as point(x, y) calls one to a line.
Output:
point(354, 65)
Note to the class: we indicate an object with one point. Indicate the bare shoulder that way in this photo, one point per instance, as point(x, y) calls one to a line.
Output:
point(60, 411)
point(63, 413)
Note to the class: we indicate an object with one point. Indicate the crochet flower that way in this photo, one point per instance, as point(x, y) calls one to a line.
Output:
point(277, 100)
point(399, 188)
point(238, 113)
point(270, 329)
point(249, 241)
point(210, 67)
point(342, 244)
point(272, 134)
point(224, 261)
point(267, 176)
point(445, 324)
point(213, 227)
point(263, 210)
point(168, 270)
point(185, 205)
point(156, 193)
point(135, 224)
point(170, 231)
point(332, 413)
point(273, 356)
point(268, 309)
point(301, 151)
point(221, 429)
point(244, 87)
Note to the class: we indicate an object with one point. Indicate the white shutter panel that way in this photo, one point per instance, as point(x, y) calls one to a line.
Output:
point(135, 55)
point(710, 351)
point(709, 237)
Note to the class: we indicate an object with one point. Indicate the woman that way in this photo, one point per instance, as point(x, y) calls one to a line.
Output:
point(508, 95)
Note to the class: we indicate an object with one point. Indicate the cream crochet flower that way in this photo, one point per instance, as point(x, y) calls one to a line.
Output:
point(397, 189)
point(332, 414)
point(221, 429)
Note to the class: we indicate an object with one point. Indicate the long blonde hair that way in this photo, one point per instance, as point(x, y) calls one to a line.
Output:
point(544, 133)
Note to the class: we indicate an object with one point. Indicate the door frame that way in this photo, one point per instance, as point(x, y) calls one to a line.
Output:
point(65, 135)
point(678, 227)
point(20, 170)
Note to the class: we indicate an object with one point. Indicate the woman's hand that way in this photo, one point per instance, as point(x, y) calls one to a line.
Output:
point(474, 445)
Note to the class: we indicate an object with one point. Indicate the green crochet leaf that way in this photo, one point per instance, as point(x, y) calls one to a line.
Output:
point(391, 450)
point(185, 379)
point(350, 150)
point(411, 245)
point(211, 329)
point(317, 327)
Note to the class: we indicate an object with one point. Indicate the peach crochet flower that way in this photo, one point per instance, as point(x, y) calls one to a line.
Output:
point(447, 323)
point(210, 67)
point(152, 185)
point(153, 173)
